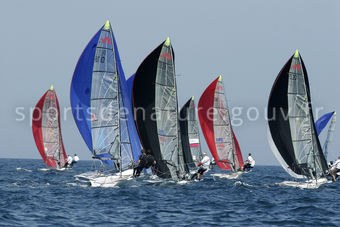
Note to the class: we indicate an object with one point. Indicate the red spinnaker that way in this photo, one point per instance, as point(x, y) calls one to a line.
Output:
point(47, 132)
point(238, 152)
point(206, 116)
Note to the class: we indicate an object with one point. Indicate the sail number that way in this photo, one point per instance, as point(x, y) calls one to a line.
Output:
point(100, 56)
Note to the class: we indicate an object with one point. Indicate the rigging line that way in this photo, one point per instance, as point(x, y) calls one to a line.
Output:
point(169, 97)
point(108, 133)
point(109, 145)
point(99, 137)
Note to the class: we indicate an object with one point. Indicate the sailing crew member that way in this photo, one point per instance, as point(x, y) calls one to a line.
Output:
point(75, 160)
point(212, 164)
point(150, 161)
point(330, 164)
point(249, 163)
point(69, 161)
point(335, 169)
point(203, 165)
point(141, 164)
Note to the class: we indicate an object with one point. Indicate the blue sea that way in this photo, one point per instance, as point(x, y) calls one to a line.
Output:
point(32, 195)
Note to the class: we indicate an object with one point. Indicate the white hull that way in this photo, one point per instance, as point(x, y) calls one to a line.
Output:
point(309, 184)
point(229, 175)
point(110, 180)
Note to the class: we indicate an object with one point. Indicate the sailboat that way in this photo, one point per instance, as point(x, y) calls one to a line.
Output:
point(321, 123)
point(190, 134)
point(217, 129)
point(155, 105)
point(47, 132)
point(292, 134)
point(101, 106)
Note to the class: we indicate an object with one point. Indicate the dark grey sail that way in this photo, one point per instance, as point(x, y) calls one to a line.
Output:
point(190, 134)
point(155, 92)
point(292, 134)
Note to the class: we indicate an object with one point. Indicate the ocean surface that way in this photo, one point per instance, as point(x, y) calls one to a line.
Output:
point(32, 195)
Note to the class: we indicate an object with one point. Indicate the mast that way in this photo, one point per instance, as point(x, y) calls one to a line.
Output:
point(180, 160)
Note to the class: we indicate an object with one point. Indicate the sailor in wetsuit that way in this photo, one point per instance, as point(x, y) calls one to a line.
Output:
point(145, 161)
point(140, 164)
point(150, 161)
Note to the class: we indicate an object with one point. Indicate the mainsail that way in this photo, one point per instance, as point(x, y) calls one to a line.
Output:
point(291, 131)
point(321, 123)
point(100, 103)
point(215, 122)
point(190, 134)
point(46, 130)
point(156, 110)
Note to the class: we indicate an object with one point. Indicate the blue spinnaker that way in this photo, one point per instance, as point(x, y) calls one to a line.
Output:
point(321, 123)
point(94, 87)
point(129, 84)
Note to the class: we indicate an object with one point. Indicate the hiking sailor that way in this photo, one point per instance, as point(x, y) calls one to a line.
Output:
point(249, 163)
point(203, 165)
point(74, 160)
point(150, 161)
point(335, 169)
point(141, 163)
point(69, 161)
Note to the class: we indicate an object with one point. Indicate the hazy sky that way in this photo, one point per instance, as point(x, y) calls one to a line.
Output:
point(247, 42)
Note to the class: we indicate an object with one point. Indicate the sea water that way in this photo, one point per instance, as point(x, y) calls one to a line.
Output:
point(32, 195)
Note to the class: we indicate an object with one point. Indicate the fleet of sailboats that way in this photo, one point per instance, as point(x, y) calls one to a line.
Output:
point(117, 118)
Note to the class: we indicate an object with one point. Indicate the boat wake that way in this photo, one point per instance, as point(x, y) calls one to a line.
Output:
point(44, 169)
point(23, 169)
point(89, 175)
point(309, 184)
point(238, 183)
point(227, 175)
